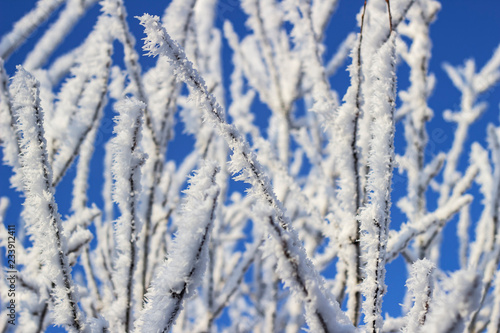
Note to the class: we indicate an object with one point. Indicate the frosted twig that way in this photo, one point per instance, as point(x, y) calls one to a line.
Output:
point(26, 25)
point(235, 279)
point(78, 205)
point(10, 139)
point(321, 13)
point(490, 233)
point(351, 191)
point(415, 100)
point(375, 216)
point(127, 161)
point(449, 308)
point(158, 136)
point(340, 56)
point(399, 241)
point(62, 65)
point(463, 235)
point(304, 33)
point(116, 9)
point(260, 11)
point(471, 85)
point(86, 97)
point(68, 18)
point(42, 216)
point(178, 278)
point(494, 324)
point(420, 286)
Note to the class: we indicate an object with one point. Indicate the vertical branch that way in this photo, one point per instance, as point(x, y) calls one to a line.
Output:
point(375, 217)
point(324, 101)
point(415, 101)
point(463, 235)
point(346, 127)
point(127, 161)
point(280, 108)
point(41, 213)
point(490, 233)
point(420, 286)
point(357, 114)
point(107, 188)
point(354, 271)
point(10, 138)
point(230, 288)
point(485, 228)
point(389, 13)
point(269, 300)
point(155, 138)
point(4, 241)
point(79, 204)
point(494, 324)
point(83, 98)
point(117, 10)
point(182, 273)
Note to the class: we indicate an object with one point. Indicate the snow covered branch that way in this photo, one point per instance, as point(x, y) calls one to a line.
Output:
point(182, 272)
point(25, 26)
point(44, 222)
point(126, 168)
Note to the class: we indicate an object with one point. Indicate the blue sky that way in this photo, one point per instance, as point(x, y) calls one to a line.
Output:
point(464, 29)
